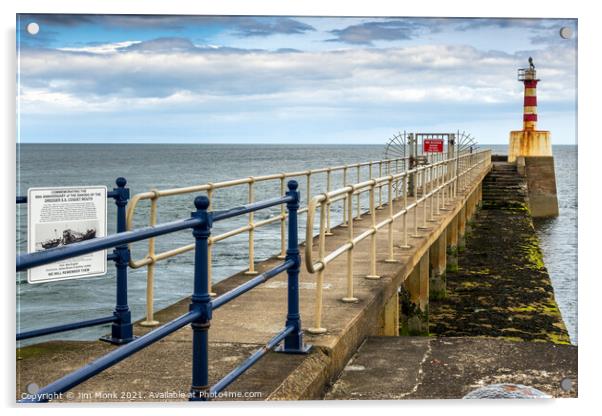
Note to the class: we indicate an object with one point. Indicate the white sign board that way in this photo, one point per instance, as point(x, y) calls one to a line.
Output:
point(58, 217)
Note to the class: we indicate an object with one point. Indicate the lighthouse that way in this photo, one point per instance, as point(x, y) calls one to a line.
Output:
point(529, 141)
point(531, 151)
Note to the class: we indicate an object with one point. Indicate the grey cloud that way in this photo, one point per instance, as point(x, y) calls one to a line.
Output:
point(503, 23)
point(239, 25)
point(166, 44)
point(59, 19)
point(243, 26)
point(366, 33)
point(265, 26)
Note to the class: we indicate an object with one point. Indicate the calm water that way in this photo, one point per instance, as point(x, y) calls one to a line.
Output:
point(164, 166)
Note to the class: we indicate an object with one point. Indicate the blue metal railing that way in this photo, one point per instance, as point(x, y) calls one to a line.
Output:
point(201, 307)
point(121, 328)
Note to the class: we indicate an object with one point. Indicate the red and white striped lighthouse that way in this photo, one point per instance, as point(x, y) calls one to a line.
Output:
point(530, 105)
point(531, 150)
point(529, 141)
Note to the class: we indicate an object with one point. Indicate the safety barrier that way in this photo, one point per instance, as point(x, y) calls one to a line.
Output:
point(202, 305)
point(435, 183)
point(151, 258)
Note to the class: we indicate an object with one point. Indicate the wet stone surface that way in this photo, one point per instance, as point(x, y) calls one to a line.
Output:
point(501, 287)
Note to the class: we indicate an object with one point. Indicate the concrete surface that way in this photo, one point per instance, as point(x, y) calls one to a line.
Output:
point(394, 368)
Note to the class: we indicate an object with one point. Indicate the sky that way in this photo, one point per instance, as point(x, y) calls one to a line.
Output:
point(245, 79)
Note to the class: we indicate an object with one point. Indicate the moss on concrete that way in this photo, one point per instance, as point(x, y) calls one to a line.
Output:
point(412, 320)
point(501, 287)
point(451, 268)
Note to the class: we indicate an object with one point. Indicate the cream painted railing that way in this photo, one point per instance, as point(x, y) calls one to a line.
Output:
point(436, 183)
point(389, 166)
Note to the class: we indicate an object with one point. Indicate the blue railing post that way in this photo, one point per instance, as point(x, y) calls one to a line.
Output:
point(121, 330)
point(201, 301)
point(293, 343)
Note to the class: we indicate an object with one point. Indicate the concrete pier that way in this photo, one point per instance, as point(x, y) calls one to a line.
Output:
point(240, 327)
point(423, 271)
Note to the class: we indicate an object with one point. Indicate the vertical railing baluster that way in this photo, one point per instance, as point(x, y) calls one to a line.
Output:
point(150, 268)
point(282, 221)
point(317, 328)
point(293, 343)
point(121, 329)
point(380, 187)
point(391, 256)
point(425, 181)
point(210, 247)
point(398, 182)
point(328, 186)
point(346, 212)
point(372, 275)
point(251, 199)
point(432, 190)
point(358, 217)
point(350, 297)
point(405, 244)
point(415, 193)
point(201, 302)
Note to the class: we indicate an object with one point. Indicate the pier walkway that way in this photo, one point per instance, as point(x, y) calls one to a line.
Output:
point(162, 371)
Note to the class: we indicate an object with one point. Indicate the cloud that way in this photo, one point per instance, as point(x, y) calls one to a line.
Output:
point(179, 76)
point(366, 33)
point(266, 26)
point(102, 48)
point(541, 31)
point(165, 45)
point(59, 19)
point(501, 23)
point(243, 26)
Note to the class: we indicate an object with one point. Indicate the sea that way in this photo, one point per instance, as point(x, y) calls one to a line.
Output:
point(162, 166)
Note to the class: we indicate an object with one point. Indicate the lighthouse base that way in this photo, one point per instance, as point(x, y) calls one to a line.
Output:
point(529, 143)
point(531, 151)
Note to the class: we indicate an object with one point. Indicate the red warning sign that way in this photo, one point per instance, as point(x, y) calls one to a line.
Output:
point(432, 145)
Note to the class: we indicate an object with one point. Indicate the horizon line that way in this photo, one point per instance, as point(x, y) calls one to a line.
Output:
point(259, 143)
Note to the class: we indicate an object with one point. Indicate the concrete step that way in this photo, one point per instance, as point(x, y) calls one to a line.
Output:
point(504, 186)
point(505, 191)
point(501, 178)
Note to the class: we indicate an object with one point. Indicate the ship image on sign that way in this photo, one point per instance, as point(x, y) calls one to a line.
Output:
point(68, 236)
point(61, 216)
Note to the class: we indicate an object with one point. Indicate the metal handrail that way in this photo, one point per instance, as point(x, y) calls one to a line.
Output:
point(151, 257)
point(438, 182)
point(201, 308)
